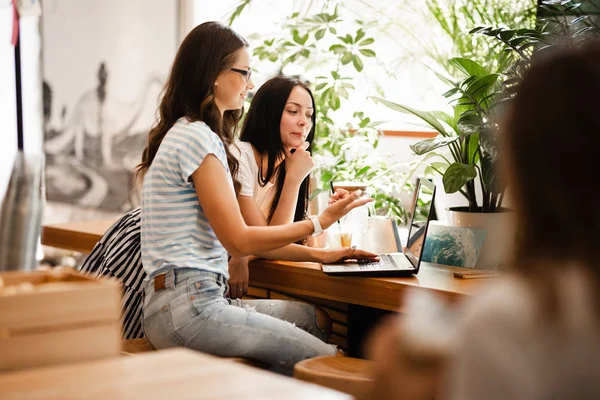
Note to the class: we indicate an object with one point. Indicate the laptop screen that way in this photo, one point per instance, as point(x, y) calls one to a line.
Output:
point(417, 230)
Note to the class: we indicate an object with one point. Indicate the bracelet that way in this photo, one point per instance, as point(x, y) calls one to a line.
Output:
point(316, 225)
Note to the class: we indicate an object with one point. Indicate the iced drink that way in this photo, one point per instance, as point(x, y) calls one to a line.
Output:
point(346, 239)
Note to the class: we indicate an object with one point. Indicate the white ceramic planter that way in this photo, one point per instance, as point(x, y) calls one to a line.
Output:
point(499, 229)
point(459, 216)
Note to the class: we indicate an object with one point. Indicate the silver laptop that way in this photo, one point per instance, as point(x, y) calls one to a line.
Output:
point(397, 263)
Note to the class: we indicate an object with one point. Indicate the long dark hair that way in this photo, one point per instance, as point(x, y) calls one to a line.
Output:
point(552, 137)
point(262, 130)
point(208, 50)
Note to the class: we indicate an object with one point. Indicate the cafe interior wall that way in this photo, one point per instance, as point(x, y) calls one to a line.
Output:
point(110, 58)
point(97, 115)
point(57, 212)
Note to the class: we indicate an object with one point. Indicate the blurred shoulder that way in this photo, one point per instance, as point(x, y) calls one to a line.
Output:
point(509, 303)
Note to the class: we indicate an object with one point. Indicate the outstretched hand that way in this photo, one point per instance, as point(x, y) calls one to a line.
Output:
point(337, 195)
point(343, 205)
point(394, 373)
point(348, 253)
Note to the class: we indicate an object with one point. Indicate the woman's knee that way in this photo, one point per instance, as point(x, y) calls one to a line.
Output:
point(323, 321)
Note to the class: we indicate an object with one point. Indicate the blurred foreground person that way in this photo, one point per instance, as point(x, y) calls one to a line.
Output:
point(535, 333)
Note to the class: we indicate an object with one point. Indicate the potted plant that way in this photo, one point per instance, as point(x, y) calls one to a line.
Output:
point(465, 153)
point(467, 135)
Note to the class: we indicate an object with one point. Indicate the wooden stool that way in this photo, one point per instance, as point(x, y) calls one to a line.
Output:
point(346, 374)
point(131, 347)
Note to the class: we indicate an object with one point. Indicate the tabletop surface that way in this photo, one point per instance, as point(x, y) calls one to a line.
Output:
point(303, 278)
point(166, 374)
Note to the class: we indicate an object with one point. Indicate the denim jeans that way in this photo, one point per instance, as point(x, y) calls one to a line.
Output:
point(192, 311)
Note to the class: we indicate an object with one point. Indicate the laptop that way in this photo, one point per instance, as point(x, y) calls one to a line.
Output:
point(397, 263)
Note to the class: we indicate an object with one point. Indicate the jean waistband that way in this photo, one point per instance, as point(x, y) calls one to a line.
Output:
point(173, 277)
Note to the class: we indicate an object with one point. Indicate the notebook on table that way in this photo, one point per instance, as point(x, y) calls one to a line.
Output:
point(404, 263)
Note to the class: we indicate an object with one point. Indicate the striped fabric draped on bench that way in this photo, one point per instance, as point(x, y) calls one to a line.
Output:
point(118, 254)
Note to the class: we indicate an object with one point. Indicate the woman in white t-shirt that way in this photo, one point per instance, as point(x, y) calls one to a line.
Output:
point(274, 163)
point(281, 120)
point(274, 182)
point(534, 333)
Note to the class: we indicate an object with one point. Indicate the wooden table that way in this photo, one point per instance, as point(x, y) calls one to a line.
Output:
point(382, 293)
point(367, 298)
point(78, 236)
point(301, 278)
point(166, 374)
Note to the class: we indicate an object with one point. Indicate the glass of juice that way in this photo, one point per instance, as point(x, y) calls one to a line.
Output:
point(345, 234)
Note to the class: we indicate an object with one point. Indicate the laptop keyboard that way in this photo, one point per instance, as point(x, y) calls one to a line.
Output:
point(385, 262)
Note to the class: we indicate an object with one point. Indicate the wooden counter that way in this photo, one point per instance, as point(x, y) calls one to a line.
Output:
point(166, 374)
point(298, 278)
point(353, 303)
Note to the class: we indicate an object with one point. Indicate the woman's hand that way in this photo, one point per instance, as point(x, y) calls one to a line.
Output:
point(345, 203)
point(347, 253)
point(239, 275)
point(299, 164)
point(394, 374)
point(338, 194)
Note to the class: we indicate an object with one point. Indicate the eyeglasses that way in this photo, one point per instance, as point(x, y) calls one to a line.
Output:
point(246, 73)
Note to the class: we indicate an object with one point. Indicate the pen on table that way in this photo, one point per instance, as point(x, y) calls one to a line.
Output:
point(478, 275)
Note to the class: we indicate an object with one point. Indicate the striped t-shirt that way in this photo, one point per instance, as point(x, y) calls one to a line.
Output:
point(175, 231)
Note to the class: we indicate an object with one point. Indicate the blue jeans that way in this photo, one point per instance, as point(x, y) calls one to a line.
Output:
point(192, 311)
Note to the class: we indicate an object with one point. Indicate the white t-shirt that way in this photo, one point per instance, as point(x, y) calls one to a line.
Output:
point(506, 349)
point(248, 177)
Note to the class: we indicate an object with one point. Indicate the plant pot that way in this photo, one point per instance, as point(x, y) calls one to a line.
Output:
point(461, 216)
point(499, 228)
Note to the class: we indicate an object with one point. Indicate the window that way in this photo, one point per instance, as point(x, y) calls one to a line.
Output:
point(398, 74)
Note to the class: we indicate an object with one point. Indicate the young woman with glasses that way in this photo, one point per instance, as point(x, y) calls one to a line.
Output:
point(191, 220)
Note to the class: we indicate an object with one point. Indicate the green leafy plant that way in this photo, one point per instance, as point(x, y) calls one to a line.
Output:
point(435, 30)
point(466, 134)
point(454, 18)
point(465, 152)
point(332, 52)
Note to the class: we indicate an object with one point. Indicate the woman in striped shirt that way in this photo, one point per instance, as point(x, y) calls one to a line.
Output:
point(191, 221)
